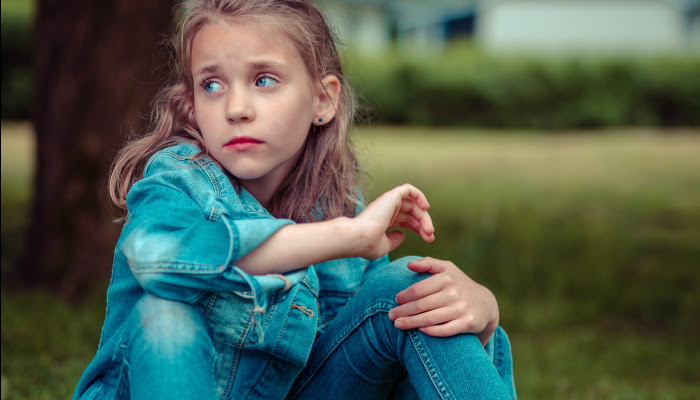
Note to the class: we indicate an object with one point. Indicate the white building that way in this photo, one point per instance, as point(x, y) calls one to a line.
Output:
point(598, 26)
point(553, 26)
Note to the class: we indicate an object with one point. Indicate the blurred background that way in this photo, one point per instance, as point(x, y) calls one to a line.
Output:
point(558, 143)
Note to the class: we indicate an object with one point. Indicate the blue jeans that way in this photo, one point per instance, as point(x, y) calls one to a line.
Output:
point(362, 355)
point(169, 351)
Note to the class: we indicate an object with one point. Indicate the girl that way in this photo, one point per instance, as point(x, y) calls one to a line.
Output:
point(242, 269)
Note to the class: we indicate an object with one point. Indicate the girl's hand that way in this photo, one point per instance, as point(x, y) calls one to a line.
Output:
point(402, 207)
point(445, 304)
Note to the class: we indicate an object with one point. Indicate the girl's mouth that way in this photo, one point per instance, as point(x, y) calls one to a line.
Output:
point(242, 143)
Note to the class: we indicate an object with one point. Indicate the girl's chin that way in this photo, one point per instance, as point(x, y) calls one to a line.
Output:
point(245, 176)
point(245, 172)
point(251, 176)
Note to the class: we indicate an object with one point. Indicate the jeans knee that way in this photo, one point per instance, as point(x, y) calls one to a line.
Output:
point(388, 281)
point(169, 327)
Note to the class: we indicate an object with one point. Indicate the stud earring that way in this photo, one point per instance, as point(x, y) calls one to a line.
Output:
point(320, 120)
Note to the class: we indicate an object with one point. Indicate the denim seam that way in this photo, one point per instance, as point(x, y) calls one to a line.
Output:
point(377, 307)
point(214, 297)
point(176, 266)
point(213, 214)
point(109, 367)
point(244, 333)
point(236, 355)
point(438, 383)
point(212, 178)
point(272, 311)
point(274, 351)
point(305, 281)
point(128, 374)
point(203, 165)
point(497, 356)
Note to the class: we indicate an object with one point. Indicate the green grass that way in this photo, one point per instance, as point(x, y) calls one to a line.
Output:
point(46, 343)
point(589, 240)
point(608, 224)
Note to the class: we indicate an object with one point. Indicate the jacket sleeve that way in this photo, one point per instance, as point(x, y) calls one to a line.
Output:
point(181, 239)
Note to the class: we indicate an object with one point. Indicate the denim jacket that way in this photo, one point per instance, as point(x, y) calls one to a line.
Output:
point(187, 226)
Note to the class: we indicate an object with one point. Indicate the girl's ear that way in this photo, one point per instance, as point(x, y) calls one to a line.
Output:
point(327, 95)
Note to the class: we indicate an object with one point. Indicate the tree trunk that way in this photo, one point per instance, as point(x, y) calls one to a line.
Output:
point(94, 63)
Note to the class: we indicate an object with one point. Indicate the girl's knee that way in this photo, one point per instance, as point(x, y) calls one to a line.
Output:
point(394, 277)
point(169, 326)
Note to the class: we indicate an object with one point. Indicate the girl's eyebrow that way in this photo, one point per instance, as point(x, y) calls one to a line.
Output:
point(207, 69)
point(256, 65)
point(266, 64)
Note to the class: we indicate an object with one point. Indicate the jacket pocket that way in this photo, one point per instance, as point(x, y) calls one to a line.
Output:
point(230, 316)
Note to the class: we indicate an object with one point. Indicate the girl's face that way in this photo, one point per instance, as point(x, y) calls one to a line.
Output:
point(254, 102)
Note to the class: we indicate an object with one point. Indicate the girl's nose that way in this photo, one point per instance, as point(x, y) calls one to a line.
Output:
point(239, 107)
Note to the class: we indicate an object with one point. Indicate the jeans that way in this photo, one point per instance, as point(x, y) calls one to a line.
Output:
point(169, 353)
point(362, 355)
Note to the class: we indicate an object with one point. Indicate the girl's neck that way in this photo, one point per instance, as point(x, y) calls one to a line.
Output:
point(259, 193)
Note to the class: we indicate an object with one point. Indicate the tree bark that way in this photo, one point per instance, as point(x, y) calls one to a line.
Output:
point(94, 65)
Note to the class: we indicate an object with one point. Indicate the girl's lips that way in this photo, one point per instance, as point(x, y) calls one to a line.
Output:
point(242, 143)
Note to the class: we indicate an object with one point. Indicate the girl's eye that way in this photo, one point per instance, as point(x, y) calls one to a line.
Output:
point(211, 86)
point(265, 81)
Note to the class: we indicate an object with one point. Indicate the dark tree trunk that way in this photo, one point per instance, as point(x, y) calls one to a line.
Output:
point(94, 65)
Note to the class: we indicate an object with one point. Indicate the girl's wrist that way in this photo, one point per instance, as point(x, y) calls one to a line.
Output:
point(351, 233)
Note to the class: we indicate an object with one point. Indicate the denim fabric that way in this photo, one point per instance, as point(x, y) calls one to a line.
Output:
point(364, 356)
point(187, 225)
point(176, 294)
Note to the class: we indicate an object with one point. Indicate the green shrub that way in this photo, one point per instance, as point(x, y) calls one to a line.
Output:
point(461, 87)
point(465, 87)
point(16, 46)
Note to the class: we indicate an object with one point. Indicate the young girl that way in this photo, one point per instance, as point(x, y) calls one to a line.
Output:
point(242, 270)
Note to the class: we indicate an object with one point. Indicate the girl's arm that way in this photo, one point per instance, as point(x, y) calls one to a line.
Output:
point(299, 245)
point(445, 304)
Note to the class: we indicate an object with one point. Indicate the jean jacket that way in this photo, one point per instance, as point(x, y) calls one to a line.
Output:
point(187, 225)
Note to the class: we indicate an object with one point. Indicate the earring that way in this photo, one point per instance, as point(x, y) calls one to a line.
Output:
point(320, 120)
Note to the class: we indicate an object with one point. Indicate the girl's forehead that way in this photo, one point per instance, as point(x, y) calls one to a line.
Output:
point(257, 36)
point(274, 33)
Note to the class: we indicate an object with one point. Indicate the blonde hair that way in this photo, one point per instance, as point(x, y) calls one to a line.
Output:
point(323, 184)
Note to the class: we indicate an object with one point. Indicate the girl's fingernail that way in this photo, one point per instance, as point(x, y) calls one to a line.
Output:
point(391, 315)
point(398, 324)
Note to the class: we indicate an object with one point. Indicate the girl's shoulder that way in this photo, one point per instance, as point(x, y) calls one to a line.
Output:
point(186, 167)
point(181, 154)
point(184, 158)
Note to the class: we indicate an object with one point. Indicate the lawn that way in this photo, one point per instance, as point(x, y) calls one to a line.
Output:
point(590, 241)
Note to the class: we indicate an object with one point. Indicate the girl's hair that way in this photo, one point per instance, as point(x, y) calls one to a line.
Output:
point(323, 184)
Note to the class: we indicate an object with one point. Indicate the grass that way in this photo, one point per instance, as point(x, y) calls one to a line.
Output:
point(589, 240)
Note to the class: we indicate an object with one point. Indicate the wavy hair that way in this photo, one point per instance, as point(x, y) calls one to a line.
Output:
point(323, 183)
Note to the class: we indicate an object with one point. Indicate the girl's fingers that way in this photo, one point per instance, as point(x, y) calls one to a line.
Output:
point(409, 206)
point(428, 264)
point(443, 330)
point(395, 239)
point(408, 190)
point(415, 307)
point(422, 228)
point(425, 221)
point(429, 318)
point(420, 289)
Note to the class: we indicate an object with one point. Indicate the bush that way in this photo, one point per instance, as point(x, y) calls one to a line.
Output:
point(465, 87)
point(462, 87)
point(16, 48)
